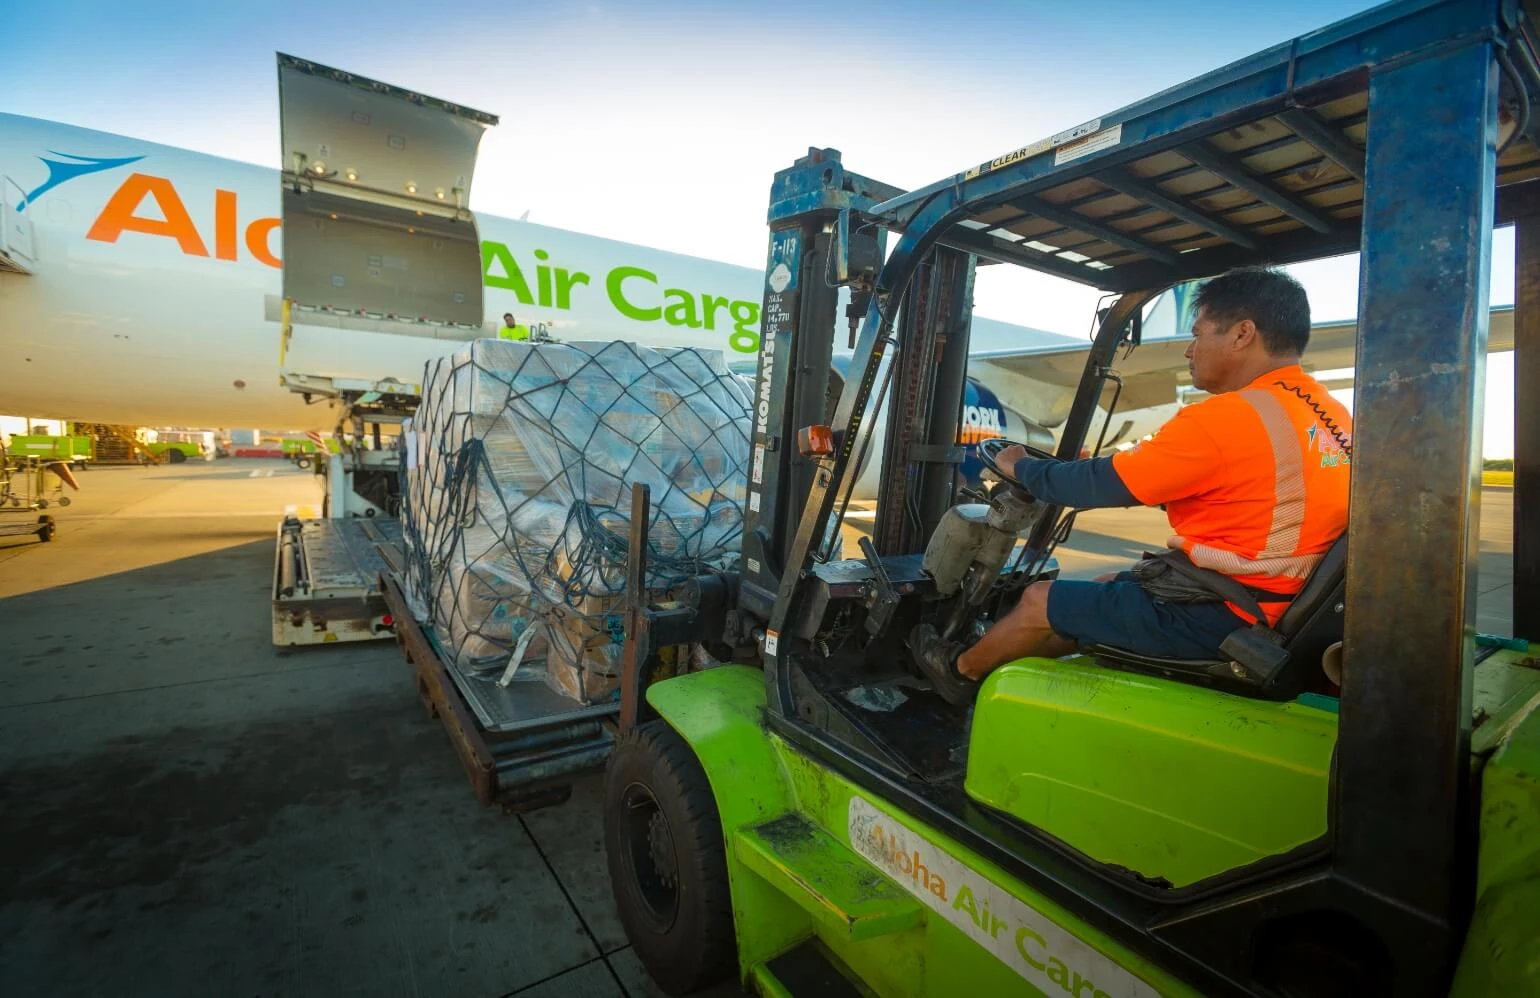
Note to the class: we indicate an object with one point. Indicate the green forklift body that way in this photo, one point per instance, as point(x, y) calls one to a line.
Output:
point(897, 906)
point(1175, 782)
point(1166, 780)
point(1501, 955)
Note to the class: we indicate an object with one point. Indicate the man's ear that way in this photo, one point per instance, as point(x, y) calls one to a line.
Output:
point(1243, 334)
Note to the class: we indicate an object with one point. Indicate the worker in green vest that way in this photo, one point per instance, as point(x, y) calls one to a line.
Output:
point(511, 329)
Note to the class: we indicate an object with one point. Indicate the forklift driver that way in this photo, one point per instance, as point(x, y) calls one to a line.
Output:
point(1254, 481)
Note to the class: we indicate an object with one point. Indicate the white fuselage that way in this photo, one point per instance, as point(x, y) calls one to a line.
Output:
point(155, 286)
point(155, 283)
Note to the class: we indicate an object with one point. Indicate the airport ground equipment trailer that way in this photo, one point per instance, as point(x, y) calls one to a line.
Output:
point(326, 569)
point(74, 450)
point(521, 746)
point(30, 481)
point(42, 526)
point(326, 576)
point(820, 822)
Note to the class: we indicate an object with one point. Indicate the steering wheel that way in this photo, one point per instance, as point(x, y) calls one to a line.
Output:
point(989, 449)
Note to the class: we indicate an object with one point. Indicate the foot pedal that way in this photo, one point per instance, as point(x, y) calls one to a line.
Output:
point(826, 879)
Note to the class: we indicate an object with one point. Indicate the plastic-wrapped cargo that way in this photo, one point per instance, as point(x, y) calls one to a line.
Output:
point(518, 473)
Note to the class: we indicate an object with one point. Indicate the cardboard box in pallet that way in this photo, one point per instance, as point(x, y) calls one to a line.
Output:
point(587, 644)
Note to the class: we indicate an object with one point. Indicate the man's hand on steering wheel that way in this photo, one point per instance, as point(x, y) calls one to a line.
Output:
point(999, 457)
point(1008, 457)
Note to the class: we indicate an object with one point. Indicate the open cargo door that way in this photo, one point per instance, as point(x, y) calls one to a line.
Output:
point(377, 229)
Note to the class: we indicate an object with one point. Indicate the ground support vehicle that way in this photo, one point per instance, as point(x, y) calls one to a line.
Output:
point(72, 450)
point(25, 484)
point(818, 820)
point(114, 444)
point(326, 570)
point(181, 446)
point(326, 580)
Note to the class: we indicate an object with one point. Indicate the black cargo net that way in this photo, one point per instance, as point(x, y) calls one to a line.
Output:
point(517, 484)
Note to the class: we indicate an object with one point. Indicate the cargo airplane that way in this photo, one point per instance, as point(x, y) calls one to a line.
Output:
point(140, 284)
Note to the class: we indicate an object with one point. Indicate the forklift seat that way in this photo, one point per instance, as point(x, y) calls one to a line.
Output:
point(1275, 664)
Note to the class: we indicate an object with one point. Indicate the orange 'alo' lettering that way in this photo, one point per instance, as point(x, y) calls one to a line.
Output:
point(257, 239)
point(224, 225)
point(119, 215)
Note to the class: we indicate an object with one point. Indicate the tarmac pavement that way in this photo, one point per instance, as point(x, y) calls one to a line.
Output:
point(192, 811)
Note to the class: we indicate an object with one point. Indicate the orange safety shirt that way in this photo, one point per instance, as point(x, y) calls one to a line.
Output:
point(1255, 481)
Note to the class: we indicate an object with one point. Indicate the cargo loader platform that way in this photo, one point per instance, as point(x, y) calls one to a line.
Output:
point(326, 580)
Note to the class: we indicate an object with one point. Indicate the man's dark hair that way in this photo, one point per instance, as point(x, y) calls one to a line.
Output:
point(1270, 298)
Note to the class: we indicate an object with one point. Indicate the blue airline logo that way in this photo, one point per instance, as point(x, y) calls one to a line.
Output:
point(69, 166)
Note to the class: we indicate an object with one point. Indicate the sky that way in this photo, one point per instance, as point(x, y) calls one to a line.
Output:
point(663, 123)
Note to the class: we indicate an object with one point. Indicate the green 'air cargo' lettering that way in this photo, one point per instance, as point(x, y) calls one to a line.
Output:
point(635, 293)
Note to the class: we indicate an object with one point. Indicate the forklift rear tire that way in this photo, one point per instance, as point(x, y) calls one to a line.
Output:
point(668, 861)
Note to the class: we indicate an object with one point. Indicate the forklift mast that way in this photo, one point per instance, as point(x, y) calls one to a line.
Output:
point(817, 211)
point(928, 379)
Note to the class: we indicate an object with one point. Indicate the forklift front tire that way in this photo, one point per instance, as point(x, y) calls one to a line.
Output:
point(668, 861)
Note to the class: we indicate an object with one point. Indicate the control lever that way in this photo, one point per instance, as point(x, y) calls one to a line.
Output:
point(881, 597)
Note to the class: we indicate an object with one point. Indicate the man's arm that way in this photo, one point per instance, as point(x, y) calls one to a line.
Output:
point(1177, 462)
point(1089, 484)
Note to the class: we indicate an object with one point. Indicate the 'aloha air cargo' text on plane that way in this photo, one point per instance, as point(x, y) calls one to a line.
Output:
point(140, 284)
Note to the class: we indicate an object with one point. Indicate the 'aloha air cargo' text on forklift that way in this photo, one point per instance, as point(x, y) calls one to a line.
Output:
point(1115, 825)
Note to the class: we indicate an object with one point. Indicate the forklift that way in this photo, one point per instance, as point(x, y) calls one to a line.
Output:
point(814, 819)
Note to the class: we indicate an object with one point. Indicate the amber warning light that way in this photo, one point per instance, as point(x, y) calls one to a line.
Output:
point(815, 441)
